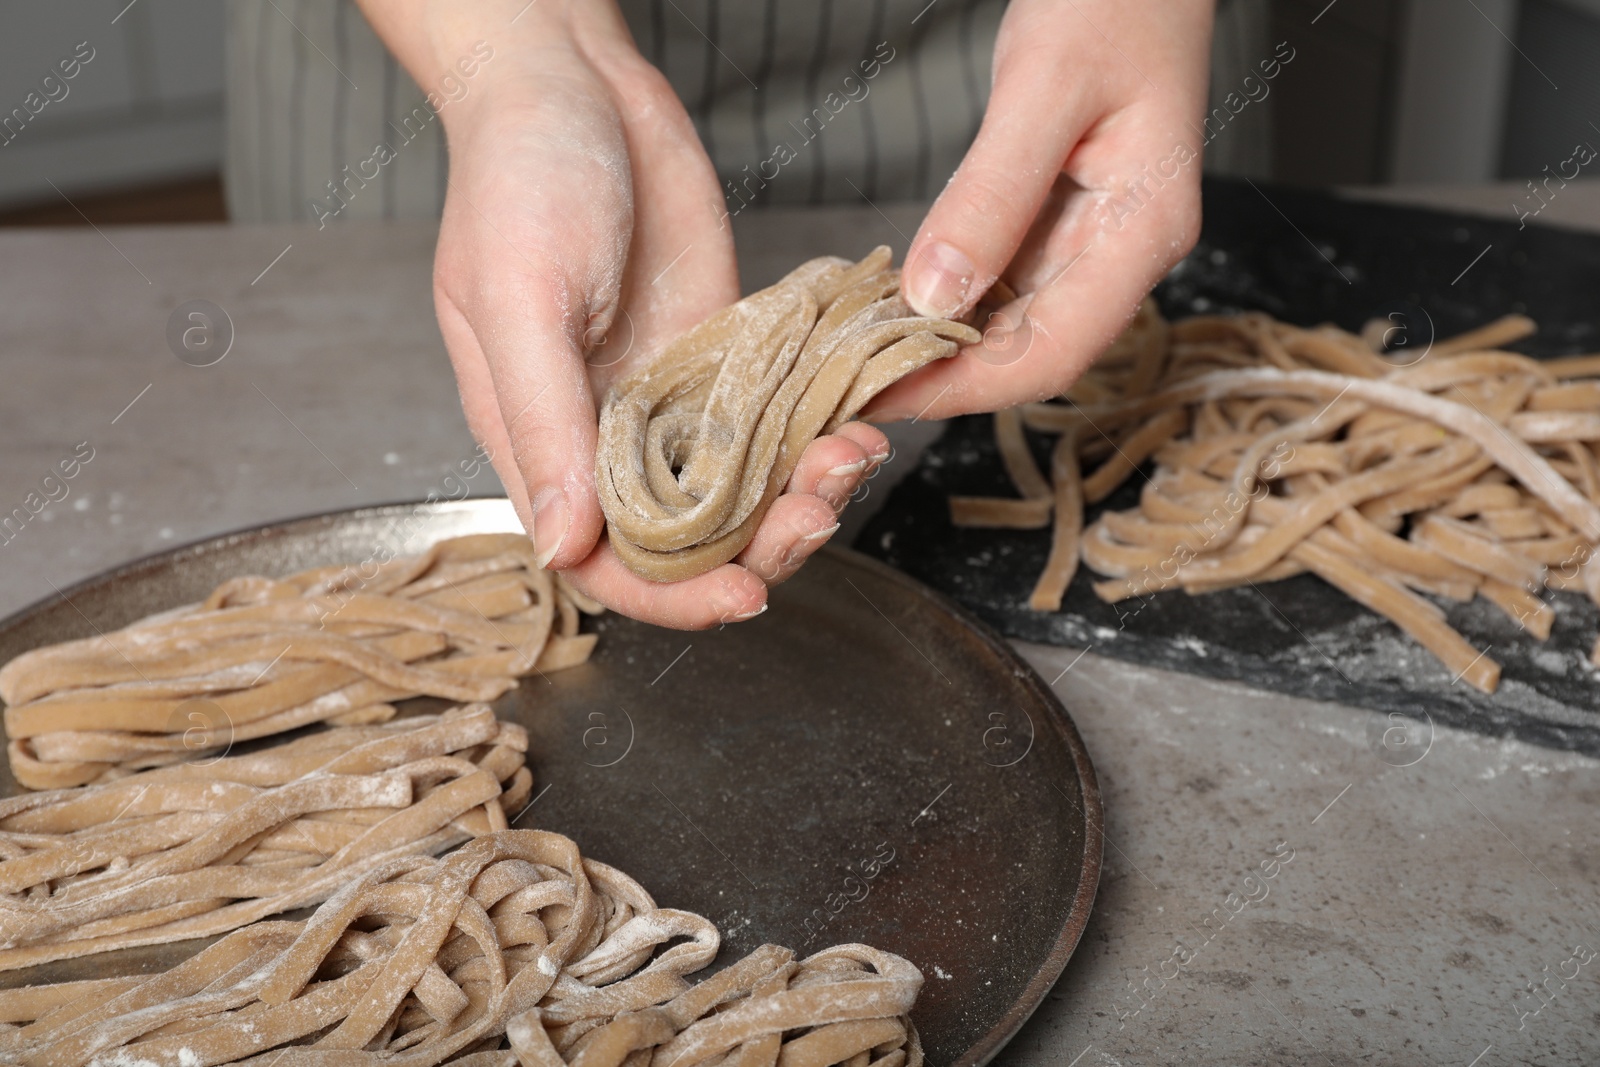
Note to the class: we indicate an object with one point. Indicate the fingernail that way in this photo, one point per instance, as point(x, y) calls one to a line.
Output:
point(737, 593)
point(941, 276)
point(883, 454)
point(550, 519)
point(849, 468)
point(821, 535)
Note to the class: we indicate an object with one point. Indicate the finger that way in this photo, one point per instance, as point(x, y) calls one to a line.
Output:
point(536, 370)
point(1071, 321)
point(982, 216)
point(730, 593)
point(830, 468)
point(794, 527)
point(478, 401)
point(870, 438)
point(1037, 349)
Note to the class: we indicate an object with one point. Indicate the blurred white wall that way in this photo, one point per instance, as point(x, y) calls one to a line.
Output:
point(147, 107)
point(1453, 78)
point(1495, 88)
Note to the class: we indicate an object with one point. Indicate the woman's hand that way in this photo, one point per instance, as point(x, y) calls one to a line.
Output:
point(1081, 191)
point(583, 230)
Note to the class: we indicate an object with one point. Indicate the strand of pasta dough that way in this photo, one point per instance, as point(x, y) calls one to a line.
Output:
point(843, 1005)
point(1279, 450)
point(423, 961)
point(695, 447)
point(194, 850)
point(260, 656)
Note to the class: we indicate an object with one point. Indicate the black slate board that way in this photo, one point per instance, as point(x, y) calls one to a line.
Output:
point(1348, 262)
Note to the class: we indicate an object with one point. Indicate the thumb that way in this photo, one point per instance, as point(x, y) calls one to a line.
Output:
point(527, 400)
point(515, 319)
point(548, 412)
point(979, 221)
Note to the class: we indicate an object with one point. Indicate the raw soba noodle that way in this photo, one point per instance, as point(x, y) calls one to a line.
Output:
point(260, 656)
point(1280, 450)
point(695, 447)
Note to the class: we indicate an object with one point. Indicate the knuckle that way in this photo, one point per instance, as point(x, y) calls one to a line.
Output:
point(987, 194)
point(1181, 220)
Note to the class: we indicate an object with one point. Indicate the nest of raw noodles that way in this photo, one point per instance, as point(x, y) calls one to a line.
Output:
point(1467, 471)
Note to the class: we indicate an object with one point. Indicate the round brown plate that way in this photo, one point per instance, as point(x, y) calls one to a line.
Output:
point(864, 762)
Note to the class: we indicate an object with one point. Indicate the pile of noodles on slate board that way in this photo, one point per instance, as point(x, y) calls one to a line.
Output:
point(1300, 636)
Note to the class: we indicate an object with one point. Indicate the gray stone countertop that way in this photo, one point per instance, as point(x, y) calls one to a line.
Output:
point(1428, 910)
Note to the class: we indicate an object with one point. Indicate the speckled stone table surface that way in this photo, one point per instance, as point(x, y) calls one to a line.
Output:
point(1279, 888)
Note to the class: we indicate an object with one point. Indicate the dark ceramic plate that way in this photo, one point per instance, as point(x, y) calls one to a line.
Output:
point(864, 762)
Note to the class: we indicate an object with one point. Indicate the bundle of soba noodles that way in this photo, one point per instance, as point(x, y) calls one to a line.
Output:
point(696, 445)
point(201, 848)
point(1470, 471)
point(425, 961)
point(260, 656)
